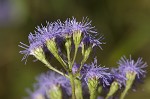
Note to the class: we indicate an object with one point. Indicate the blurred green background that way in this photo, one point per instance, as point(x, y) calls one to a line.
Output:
point(124, 23)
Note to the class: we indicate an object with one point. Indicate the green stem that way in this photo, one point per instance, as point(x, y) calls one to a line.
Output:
point(80, 67)
point(54, 93)
point(54, 69)
point(72, 85)
point(62, 63)
point(124, 93)
point(78, 89)
point(86, 55)
point(75, 54)
point(69, 61)
point(93, 94)
point(130, 79)
point(51, 45)
point(113, 89)
point(68, 48)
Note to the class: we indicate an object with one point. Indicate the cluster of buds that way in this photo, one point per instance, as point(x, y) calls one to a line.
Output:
point(64, 41)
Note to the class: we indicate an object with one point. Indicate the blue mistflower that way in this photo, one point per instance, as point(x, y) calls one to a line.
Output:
point(47, 81)
point(35, 46)
point(37, 40)
point(51, 30)
point(93, 41)
point(51, 79)
point(118, 77)
point(57, 32)
point(72, 25)
point(129, 65)
point(88, 31)
point(99, 73)
point(37, 94)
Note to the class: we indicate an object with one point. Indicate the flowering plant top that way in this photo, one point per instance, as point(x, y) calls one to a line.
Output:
point(64, 40)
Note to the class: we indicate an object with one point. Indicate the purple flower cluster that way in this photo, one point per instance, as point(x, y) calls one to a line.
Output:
point(107, 76)
point(103, 75)
point(58, 39)
point(72, 25)
point(58, 31)
point(118, 77)
point(129, 65)
point(97, 72)
point(48, 81)
point(34, 44)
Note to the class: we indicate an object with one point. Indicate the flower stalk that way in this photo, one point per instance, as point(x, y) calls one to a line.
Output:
point(51, 45)
point(130, 79)
point(55, 92)
point(113, 88)
point(68, 48)
point(78, 89)
point(71, 77)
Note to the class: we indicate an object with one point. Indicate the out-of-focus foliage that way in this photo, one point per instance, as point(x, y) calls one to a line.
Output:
point(125, 24)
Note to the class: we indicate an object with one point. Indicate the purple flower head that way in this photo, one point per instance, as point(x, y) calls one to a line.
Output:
point(57, 31)
point(51, 79)
point(34, 43)
point(50, 31)
point(92, 41)
point(38, 94)
point(116, 76)
point(98, 73)
point(48, 81)
point(129, 65)
point(71, 25)
point(43, 33)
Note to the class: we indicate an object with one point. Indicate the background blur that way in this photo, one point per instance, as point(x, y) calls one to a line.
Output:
point(124, 23)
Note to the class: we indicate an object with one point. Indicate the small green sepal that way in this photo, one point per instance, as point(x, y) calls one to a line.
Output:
point(55, 92)
point(113, 89)
point(92, 85)
point(77, 36)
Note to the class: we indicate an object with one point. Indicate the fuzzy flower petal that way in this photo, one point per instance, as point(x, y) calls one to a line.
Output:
point(129, 65)
point(84, 26)
point(100, 73)
point(49, 80)
point(34, 43)
point(116, 76)
point(93, 41)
